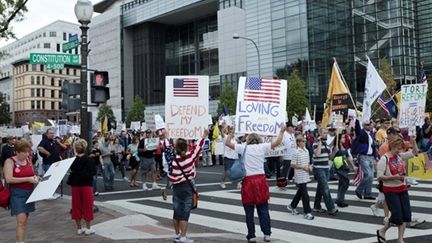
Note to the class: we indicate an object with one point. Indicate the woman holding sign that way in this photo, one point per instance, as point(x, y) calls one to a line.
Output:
point(19, 174)
point(255, 189)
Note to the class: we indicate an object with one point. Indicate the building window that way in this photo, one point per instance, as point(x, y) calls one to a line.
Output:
point(27, 68)
point(32, 80)
point(60, 83)
point(60, 71)
point(32, 104)
point(43, 80)
point(52, 105)
point(41, 67)
point(38, 104)
point(37, 92)
point(47, 45)
point(67, 71)
point(52, 82)
point(52, 94)
point(44, 34)
point(34, 67)
point(43, 105)
point(37, 80)
point(32, 92)
point(43, 92)
point(64, 36)
point(58, 47)
point(52, 34)
point(74, 72)
point(38, 45)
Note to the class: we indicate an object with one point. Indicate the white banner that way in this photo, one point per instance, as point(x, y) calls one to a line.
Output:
point(51, 180)
point(135, 125)
point(150, 120)
point(186, 106)
point(374, 86)
point(413, 104)
point(261, 105)
point(159, 122)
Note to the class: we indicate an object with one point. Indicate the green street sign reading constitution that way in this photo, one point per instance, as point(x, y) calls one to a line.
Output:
point(53, 60)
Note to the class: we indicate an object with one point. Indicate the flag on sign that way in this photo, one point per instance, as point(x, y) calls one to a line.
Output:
point(262, 90)
point(185, 87)
point(382, 104)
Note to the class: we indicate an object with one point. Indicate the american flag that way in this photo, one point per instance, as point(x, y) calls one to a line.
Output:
point(422, 76)
point(185, 87)
point(383, 104)
point(263, 90)
point(358, 176)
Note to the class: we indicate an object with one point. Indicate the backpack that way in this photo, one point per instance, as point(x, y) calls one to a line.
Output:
point(4, 196)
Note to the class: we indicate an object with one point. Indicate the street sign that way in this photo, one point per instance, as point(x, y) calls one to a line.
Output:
point(73, 37)
point(70, 45)
point(53, 60)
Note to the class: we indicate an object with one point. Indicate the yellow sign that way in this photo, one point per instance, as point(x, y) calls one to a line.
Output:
point(417, 167)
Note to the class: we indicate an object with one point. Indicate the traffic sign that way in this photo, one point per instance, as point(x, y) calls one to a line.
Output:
point(73, 37)
point(54, 60)
point(70, 45)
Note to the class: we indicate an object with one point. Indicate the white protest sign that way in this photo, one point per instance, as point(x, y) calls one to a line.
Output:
point(229, 120)
point(144, 126)
point(135, 125)
point(150, 120)
point(159, 122)
point(276, 152)
point(413, 104)
point(338, 122)
point(35, 139)
point(219, 147)
point(187, 106)
point(352, 116)
point(51, 180)
point(210, 120)
point(75, 129)
point(261, 105)
point(151, 143)
point(25, 129)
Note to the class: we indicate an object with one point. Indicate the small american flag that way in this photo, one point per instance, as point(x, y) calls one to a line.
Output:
point(383, 104)
point(185, 87)
point(358, 176)
point(263, 90)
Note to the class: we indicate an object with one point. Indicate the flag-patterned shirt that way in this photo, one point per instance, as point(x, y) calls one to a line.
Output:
point(187, 164)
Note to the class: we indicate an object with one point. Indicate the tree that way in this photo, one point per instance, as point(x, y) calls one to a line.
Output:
point(297, 99)
point(136, 112)
point(10, 10)
point(5, 117)
point(105, 110)
point(228, 98)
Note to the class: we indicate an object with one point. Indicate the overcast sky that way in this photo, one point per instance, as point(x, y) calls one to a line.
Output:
point(44, 12)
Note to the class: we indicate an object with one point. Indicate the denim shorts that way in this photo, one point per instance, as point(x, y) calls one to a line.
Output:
point(228, 163)
point(182, 201)
point(18, 201)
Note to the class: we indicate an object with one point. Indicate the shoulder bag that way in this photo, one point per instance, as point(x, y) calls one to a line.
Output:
point(195, 191)
point(237, 170)
point(4, 196)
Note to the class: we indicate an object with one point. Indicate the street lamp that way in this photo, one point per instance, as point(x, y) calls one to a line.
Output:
point(237, 36)
point(84, 13)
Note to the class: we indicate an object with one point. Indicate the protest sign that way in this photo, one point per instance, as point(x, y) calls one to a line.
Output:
point(276, 152)
point(340, 102)
point(261, 105)
point(159, 122)
point(75, 129)
point(36, 139)
point(413, 104)
point(187, 106)
point(229, 120)
point(144, 127)
point(52, 178)
point(420, 166)
point(151, 143)
point(219, 147)
point(150, 120)
point(25, 129)
point(210, 120)
point(135, 125)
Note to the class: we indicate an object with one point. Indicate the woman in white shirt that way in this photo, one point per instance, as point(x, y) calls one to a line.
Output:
point(255, 189)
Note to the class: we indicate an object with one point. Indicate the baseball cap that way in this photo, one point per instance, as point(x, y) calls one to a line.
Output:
point(393, 130)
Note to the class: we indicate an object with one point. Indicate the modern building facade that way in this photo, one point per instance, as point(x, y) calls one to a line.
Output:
point(18, 77)
point(194, 37)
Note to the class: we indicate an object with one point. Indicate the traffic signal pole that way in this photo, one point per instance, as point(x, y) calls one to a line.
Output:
point(85, 130)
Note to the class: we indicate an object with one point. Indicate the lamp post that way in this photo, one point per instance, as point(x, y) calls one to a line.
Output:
point(84, 13)
point(237, 36)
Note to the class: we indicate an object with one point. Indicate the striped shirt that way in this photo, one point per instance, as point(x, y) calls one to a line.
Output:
point(301, 157)
point(187, 163)
point(322, 160)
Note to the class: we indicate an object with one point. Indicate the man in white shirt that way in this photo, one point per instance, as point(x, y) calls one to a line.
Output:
point(230, 155)
point(282, 171)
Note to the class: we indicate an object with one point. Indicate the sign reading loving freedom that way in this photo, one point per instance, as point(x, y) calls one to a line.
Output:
point(186, 107)
point(261, 105)
point(413, 104)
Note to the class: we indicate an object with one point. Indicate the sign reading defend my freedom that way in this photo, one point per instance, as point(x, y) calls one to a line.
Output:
point(186, 107)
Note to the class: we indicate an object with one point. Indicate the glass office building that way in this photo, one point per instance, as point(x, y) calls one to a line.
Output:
point(191, 37)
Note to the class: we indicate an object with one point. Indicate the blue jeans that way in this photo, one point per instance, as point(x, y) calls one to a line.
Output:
point(264, 218)
point(366, 165)
point(108, 173)
point(45, 167)
point(343, 185)
point(322, 191)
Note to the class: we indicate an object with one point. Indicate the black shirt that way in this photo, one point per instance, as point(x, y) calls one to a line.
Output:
point(53, 148)
point(147, 153)
point(82, 171)
point(95, 154)
point(7, 152)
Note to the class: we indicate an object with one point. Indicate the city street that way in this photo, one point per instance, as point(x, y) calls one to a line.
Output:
point(221, 210)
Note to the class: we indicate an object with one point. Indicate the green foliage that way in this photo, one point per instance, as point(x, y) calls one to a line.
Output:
point(10, 10)
point(297, 99)
point(228, 98)
point(386, 74)
point(105, 110)
point(136, 112)
point(5, 117)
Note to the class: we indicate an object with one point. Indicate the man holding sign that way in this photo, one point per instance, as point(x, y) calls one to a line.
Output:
point(148, 163)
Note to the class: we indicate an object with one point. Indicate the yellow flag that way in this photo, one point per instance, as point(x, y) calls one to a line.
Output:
point(104, 125)
point(336, 86)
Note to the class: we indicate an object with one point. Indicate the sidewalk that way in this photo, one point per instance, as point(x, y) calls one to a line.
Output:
point(52, 223)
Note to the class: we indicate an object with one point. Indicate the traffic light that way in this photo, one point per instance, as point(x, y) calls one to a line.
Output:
point(99, 91)
point(69, 92)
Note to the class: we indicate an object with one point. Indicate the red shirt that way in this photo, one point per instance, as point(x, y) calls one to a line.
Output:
point(20, 171)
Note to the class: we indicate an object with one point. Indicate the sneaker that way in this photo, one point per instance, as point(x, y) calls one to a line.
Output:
point(89, 231)
point(184, 239)
point(252, 240)
point(267, 238)
point(96, 194)
point(358, 194)
point(293, 211)
point(222, 185)
point(177, 238)
point(126, 179)
point(342, 204)
point(369, 198)
point(144, 187)
point(411, 181)
point(374, 210)
point(319, 210)
point(80, 231)
point(415, 222)
point(308, 216)
point(334, 211)
point(155, 186)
